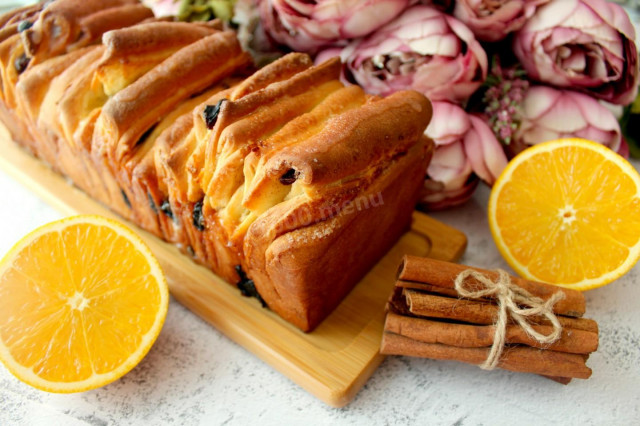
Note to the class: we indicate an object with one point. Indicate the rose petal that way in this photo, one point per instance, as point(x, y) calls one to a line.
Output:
point(449, 123)
point(308, 26)
point(572, 114)
point(450, 166)
point(551, 15)
point(484, 152)
point(539, 100)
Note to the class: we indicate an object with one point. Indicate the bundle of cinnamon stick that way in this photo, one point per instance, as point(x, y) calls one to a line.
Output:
point(426, 317)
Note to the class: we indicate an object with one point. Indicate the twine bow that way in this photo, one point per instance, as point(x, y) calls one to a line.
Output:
point(510, 299)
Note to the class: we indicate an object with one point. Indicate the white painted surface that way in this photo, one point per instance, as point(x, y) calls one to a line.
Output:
point(194, 375)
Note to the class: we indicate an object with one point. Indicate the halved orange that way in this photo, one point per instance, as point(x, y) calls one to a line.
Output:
point(81, 302)
point(567, 212)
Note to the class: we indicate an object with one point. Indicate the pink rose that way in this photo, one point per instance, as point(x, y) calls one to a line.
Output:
point(492, 20)
point(163, 7)
point(466, 149)
point(423, 49)
point(586, 45)
point(306, 26)
point(548, 113)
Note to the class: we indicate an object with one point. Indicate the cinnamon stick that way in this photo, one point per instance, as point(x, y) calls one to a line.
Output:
point(521, 359)
point(561, 380)
point(476, 312)
point(442, 274)
point(479, 336)
point(428, 288)
point(397, 302)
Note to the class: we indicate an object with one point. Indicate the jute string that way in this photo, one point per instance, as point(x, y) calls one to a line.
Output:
point(510, 298)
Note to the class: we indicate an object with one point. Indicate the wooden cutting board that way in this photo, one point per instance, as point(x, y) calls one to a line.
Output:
point(334, 361)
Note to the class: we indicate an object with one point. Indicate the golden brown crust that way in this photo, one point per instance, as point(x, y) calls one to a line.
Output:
point(230, 112)
point(128, 54)
point(97, 24)
point(240, 138)
point(303, 274)
point(281, 69)
point(18, 130)
point(132, 52)
point(355, 140)
point(295, 85)
point(283, 174)
point(15, 16)
point(31, 90)
point(11, 66)
point(149, 37)
point(48, 117)
point(10, 22)
point(68, 156)
point(7, 32)
point(139, 171)
point(70, 24)
point(35, 82)
point(172, 149)
point(376, 149)
point(127, 115)
point(79, 106)
point(303, 128)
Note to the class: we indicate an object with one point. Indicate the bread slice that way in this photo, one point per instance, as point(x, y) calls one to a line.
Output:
point(66, 25)
point(360, 169)
point(284, 182)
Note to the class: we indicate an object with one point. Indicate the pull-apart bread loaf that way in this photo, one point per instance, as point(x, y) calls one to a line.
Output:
point(285, 182)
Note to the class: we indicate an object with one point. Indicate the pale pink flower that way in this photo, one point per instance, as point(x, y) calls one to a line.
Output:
point(251, 34)
point(493, 20)
point(163, 7)
point(548, 113)
point(423, 49)
point(466, 151)
point(586, 45)
point(306, 26)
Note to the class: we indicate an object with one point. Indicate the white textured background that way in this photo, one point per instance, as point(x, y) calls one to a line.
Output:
point(194, 375)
